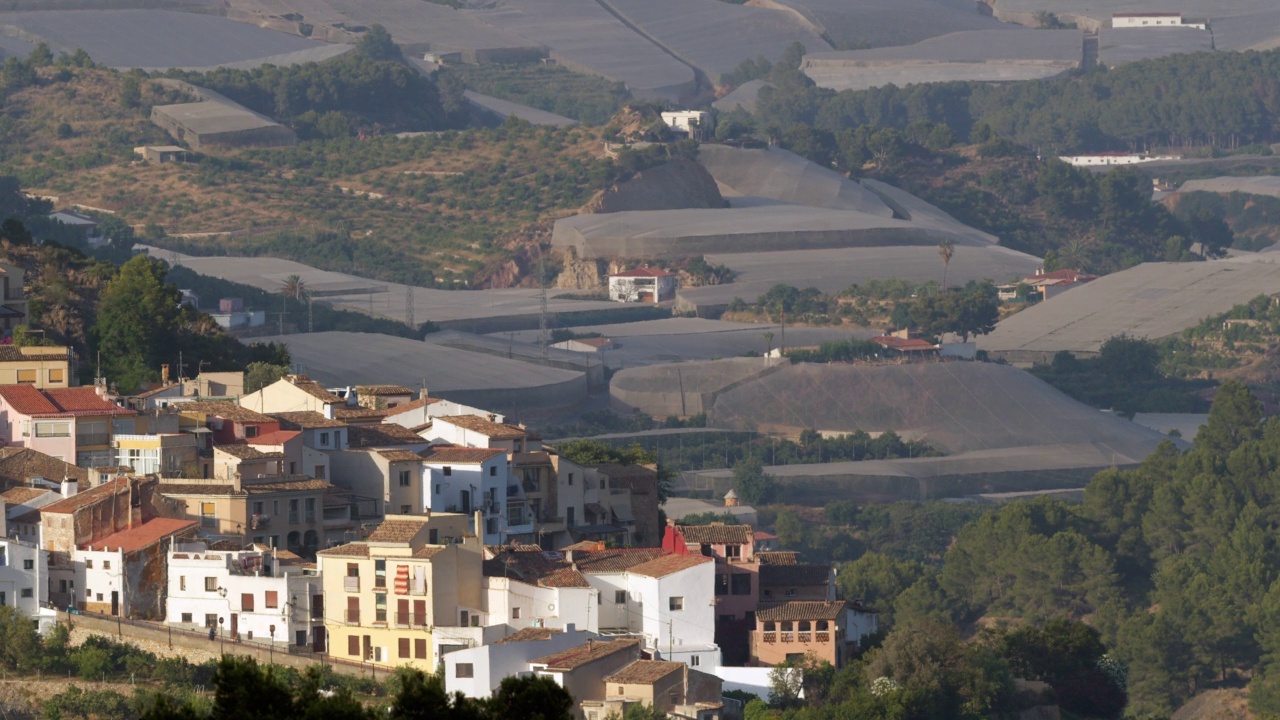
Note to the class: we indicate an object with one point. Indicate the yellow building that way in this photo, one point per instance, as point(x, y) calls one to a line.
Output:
point(167, 455)
point(39, 366)
point(408, 593)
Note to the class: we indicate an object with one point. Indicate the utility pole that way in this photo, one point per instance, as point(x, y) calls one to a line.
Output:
point(408, 309)
point(543, 337)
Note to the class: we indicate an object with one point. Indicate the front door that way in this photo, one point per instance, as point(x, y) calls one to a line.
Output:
point(235, 625)
point(466, 501)
point(115, 602)
point(317, 635)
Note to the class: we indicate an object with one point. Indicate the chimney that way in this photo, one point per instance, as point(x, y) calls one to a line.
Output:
point(479, 524)
point(164, 374)
point(569, 628)
point(328, 411)
point(69, 487)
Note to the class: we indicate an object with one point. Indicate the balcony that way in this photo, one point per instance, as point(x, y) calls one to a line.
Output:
point(84, 440)
point(788, 637)
point(411, 619)
point(805, 637)
point(351, 584)
point(352, 617)
point(824, 637)
point(771, 637)
point(258, 522)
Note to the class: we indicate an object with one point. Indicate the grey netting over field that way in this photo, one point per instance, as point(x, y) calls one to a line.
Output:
point(1152, 300)
point(505, 108)
point(908, 206)
point(782, 175)
point(1126, 45)
point(155, 38)
point(1261, 185)
point(472, 378)
point(418, 26)
point(1237, 24)
point(744, 96)
point(715, 36)
point(985, 55)
point(876, 23)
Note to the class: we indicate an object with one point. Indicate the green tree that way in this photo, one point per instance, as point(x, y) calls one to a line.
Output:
point(753, 484)
point(138, 320)
point(131, 90)
point(536, 698)
point(376, 44)
point(946, 250)
point(643, 711)
point(258, 375)
point(1235, 418)
point(878, 579)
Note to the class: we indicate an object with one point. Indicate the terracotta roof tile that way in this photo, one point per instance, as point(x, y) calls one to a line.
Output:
point(427, 552)
point(459, 455)
point(196, 489)
point(382, 435)
point(778, 557)
point(58, 402)
point(905, 344)
point(277, 437)
point(88, 497)
point(20, 495)
point(802, 610)
point(298, 483)
point(625, 472)
point(776, 575)
point(313, 388)
point(716, 534)
point(486, 427)
point(376, 390)
point(305, 420)
point(13, 353)
point(399, 455)
point(615, 560)
point(563, 578)
point(585, 653)
point(644, 672)
point(244, 451)
point(156, 391)
point(20, 465)
point(226, 410)
point(348, 550)
point(397, 531)
point(644, 273)
point(145, 535)
point(529, 634)
point(669, 564)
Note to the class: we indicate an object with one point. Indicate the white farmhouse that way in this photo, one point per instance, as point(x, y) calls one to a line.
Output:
point(476, 672)
point(693, 123)
point(24, 581)
point(647, 285)
point(1155, 19)
point(255, 595)
point(470, 479)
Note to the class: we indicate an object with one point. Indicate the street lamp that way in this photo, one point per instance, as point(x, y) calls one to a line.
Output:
point(272, 630)
point(222, 646)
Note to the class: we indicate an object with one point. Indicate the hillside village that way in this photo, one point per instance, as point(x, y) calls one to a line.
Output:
point(374, 529)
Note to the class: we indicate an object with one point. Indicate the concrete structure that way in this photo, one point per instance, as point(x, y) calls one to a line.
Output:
point(651, 285)
point(167, 455)
point(791, 630)
point(39, 366)
point(254, 594)
point(218, 122)
point(293, 393)
point(161, 153)
point(276, 511)
point(24, 581)
point(126, 573)
point(72, 424)
point(408, 594)
point(1112, 158)
point(670, 687)
point(1154, 20)
point(484, 668)
point(696, 124)
point(534, 590)
point(581, 670)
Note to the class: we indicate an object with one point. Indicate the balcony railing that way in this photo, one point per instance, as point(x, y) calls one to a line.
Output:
point(351, 584)
point(823, 637)
point(771, 637)
point(788, 637)
point(411, 619)
point(805, 637)
point(84, 439)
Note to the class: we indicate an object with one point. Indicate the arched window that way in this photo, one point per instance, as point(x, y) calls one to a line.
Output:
point(294, 541)
point(786, 626)
point(804, 626)
point(310, 541)
point(769, 626)
point(822, 626)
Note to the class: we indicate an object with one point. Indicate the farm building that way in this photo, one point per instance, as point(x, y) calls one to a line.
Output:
point(216, 121)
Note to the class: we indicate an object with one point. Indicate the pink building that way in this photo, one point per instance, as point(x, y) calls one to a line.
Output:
point(737, 579)
point(71, 424)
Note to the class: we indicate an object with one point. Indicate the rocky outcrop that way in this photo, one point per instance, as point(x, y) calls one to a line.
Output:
point(578, 274)
point(675, 185)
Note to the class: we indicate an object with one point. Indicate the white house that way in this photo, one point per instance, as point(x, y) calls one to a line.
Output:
point(668, 600)
point(1112, 158)
point(24, 581)
point(1155, 19)
point(649, 285)
point(467, 479)
point(481, 432)
point(694, 123)
point(476, 672)
point(253, 594)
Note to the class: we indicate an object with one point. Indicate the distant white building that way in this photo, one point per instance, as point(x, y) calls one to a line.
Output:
point(1155, 19)
point(1112, 158)
point(484, 668)
point(252, 594)
point(24, 581)
point(646, 285)
point(694, 123)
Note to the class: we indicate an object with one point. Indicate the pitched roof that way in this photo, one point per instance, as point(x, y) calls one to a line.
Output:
point(59, 402)
point(529, 634)
point(20, 495)
point(644, 273)
point(305, 420)
point(459, 455)
point(904, 344)
point(716, 534)
point(276, 437)
point(14, 353)
point(244, 451)
point(180, 488)
point(290, 483)
point(668, 565)
point(142, 536)
point(535, 567)
point(226, 410)
point(614, 560)
point(397, 531)
point(399, 455)
point(626, 472)
point(312, 388)
point(383, 390)
point(19, 465)
point(777, 557)
point(802, 610)
point(590, 651)
point(156, 390)
point(358, 549)
point(794, 574)
point(374, 436)
point(486, 427)
point(88, 497)
point(427, 551)
point(644, 672)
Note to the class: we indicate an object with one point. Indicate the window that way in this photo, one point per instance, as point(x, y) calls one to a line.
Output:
point(353, 645)
point(380, 607)
point(272, 599)
point(106, 564)
point(406, 509)
point(53, 429)
point(437, 488)
point(259, 507)
point(88, 593)
point(211, 584)
point(208, 514)
point(420, 649)
point(88, 564)
point(380, 573)
point(675, 603)
point(725, 619)
point(464, 670)
point(695, 661)
point(622, 690)
point(493, 471)
point(805, 626)
point(446, 471)
point(28, 376)
point(619, 597)
point(182, 582)
point(464, 617)
point(733, 552)
point(823, 626)
point(251, 431)
point(62, 586)
point(186, 618)
point(768, 593)
point(324, 439)
point(211, 620)
point(740, 583)
point(319, 473)
point(28, 564)
point(404, 647)
point(571, 478)
point(787, 626)
point(353, 569)
point(26, 592)
point(55, 375)
point(569, 517)
point(515, 613)
point(791, 592)
point(293, 467)
point(246, 602)
point(404, 478)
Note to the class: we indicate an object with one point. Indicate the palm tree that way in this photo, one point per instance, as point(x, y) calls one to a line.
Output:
point(946, 249)
point(768, 342)
point(292, 287)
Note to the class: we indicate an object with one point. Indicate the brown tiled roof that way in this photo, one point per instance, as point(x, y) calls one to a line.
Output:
point(226, 410)
point(625, 472)
point(18, 465)
point(305, 420)
point(802, 610)
point(534, 566)
point(145, 535)
point(716, 534)
point(156, 391)
point(777, 557)
point(585, 653)
point(382, 435)
point(88, 497)
point(400, 455)
point(794, 574)
point(20, 495)
point(312, 388)
point(300, 483)
point(668, 564)
point(411, 405)
point(486, 427)
point(275, 437)
point(14, 353)
point(196, 489)
point(348, 550)
point(59, 402)
point(644, 672)
point(356, 413)
point(459, 455)
point(587, 545)
point(529, 634)
point(427, 552)
point(563, 578)
point(245, 451)
point(383, 390)
point(615, 560)
point(397, 531)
